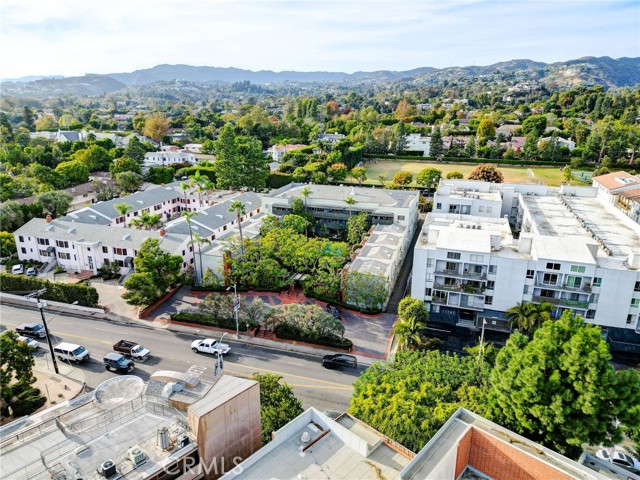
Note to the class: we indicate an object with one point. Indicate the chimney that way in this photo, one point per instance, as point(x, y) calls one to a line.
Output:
point(49, 218)
point(163, 232)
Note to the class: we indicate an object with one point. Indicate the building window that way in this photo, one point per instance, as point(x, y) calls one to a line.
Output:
point(490, 285)
point(526, 289)
point(438, 206)
point(427, 292)
point(429, 277)
point(493, 269)
point(550, 279)
point(597, 282)
point(21, 238)
point(105, 249)
point(119, 251)
point(43, 241)
point(630, 319)
point(119, 220)
point(489, 209)
point(430, 262)
point(477, 258)
point(553, 266)
point(578, 268)
point(574, 282)
point(23, 250)
point(488, 300)
point(106, 261)
point(636, 288)
point(62, 243)
point(481, 209)
point(64, 256)
point(453, 255)
point(635, 302)
point(591, 314)
point(530, 273)
point(400, 218)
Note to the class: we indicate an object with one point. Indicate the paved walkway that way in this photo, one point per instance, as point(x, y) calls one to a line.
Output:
point(369, 333)
point(68, 384)
point(111, 298)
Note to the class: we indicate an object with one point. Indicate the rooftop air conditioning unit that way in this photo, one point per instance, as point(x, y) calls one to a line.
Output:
point(108, 469)
point(136, 455)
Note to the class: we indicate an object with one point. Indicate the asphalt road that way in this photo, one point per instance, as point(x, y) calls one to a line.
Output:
point(326, 390)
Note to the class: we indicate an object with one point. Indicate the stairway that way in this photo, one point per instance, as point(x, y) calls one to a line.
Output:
point(264, 334)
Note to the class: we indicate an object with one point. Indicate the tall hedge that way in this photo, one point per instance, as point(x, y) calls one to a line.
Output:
point(56, 292)
point(205, 171)
point(277, 180)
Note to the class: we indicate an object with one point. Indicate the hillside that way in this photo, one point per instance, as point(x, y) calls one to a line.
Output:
point(605, 71)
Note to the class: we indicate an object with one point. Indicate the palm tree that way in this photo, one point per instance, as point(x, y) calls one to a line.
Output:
point(152, 220)
point(382, 179)
point(187, 218)
point(122, 208)
point(198, 181)
point(529, 316)
point(238, 208)
point(306, 193)
point(409, 332)
point(185, 188)
point(199, 240)
point(350, 201)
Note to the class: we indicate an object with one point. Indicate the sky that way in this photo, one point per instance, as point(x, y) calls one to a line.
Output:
point(72, 37)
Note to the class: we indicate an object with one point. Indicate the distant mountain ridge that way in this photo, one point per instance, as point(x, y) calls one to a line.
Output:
point(587, 70)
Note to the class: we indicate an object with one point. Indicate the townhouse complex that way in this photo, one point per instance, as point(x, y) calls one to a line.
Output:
point(486, 247)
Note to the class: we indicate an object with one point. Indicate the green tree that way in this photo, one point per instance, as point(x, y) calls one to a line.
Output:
point(360, 174)
point(295, 222)
point(470, 147)
point(337, 172)
point(124, 164)
point(410, 398)
point(188, 216)
point(436, 147)
point(253, 165)
point(122, 208)
point(455, 175)
point(128, 181)
point(154, 272)
point(530, 148)
point(350, 201)
point(560, 389)
point(567, 174)
point(403, 178)
point(16, 377)
point(399, 138)
point(278, 404)
point(94, 157)
point(357, 226)
point(7, 244)
point(46, 122)
point(74, 172)
point(410, 333)
point(240, 210)
point(319, 178)
point(487, 173)
point(365, 290)
point(199, 240)
point(429, 177)
point(486, 129)
point(536, 124)
point(56, 203)
point(156, 127)
point(528, 316)
point(239, 161)
point(11, 215)
point(135, 150)
point(160, 175)
point(413, 308)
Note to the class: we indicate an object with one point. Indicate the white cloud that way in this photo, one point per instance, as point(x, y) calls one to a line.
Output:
point(72, 37)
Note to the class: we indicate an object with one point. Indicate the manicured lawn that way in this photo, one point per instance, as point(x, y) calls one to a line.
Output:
point(552, 176)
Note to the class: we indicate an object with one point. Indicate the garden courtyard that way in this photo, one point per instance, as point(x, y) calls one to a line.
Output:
point(552, 176)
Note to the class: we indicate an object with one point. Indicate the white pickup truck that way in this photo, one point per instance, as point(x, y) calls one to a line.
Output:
point(209, 345)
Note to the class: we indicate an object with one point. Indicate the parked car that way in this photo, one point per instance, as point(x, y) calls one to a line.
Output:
point(620, 458)
point(333, 310)
point(71, 352)
point(17, 269)
point(32, 272)
point(209, 345)
point(339, 360)
point(32, 343)
point(116, 361)
point(31, 330)
point(132, 349)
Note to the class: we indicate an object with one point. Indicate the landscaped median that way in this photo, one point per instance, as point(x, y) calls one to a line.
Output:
point(302, 323)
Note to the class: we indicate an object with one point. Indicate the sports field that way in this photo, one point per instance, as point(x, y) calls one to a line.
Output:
point(552, 176)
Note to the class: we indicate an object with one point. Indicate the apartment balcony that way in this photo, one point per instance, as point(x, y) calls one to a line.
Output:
point(563, 302)
point(462, 274)
point(553, 286)
point(551, 300)
point(439, 300)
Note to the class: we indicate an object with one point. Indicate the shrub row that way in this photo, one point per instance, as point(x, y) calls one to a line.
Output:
point(202, 319)
point(498, 161)
point(278, 179)
point(339, 303)
point(56, 292)
point(290, 332)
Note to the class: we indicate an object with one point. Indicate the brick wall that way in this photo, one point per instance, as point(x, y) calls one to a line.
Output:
point(464, 447)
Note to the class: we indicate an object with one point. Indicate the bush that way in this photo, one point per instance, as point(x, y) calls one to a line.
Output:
point(55, 291)
point(277, 180)
point(287, 331)
point(202, 319)
point(204, 171)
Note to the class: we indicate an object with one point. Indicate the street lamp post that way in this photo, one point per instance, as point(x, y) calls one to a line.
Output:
point(46, 331)
point(484, 322)
point(236, 307)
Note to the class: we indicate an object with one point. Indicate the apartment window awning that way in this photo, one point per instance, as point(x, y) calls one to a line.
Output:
point(51, 249)
point(128, 262)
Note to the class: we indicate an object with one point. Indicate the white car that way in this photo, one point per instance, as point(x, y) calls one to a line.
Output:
point(17, 269)
point(209, 345)
point(29, 341)
point(619, 458)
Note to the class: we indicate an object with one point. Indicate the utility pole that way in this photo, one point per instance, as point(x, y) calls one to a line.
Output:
point(484, 322)
point(37, 295)
point(236, 307)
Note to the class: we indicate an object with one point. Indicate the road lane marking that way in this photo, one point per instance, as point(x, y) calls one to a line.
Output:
point(254, 356)
point(294, 363)
point(112, 331)
point(298, 385)
point(285, 374)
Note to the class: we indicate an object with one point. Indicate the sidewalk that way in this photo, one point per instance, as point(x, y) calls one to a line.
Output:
point(282, 345)
point(57, 388)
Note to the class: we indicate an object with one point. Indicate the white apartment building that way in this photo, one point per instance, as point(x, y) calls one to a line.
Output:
point(574, 251)
point(417, 143)
point(622, 190)
point(164, 159)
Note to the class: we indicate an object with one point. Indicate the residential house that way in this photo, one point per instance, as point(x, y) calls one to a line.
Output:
point(81, 196)
point(622, 190)
point(417, 143)
point(278, 151)
point(330, 138)
point(164, 159)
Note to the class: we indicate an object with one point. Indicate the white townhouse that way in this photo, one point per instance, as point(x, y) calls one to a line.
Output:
point(331, 138)
point(79, 246)
point(166, 158)
point(417, 143)
point(571, 249)
point(279, 151)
